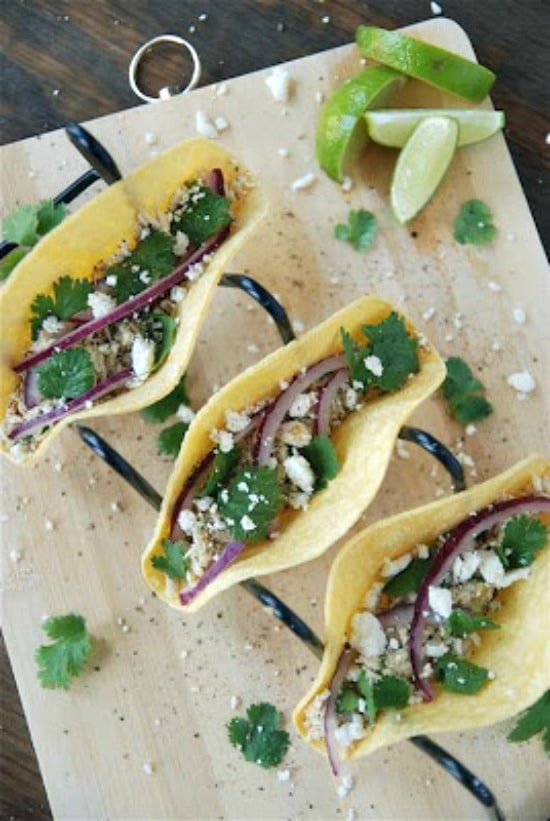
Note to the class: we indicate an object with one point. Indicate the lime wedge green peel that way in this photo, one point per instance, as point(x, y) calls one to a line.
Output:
point(421, 165)
point(393, 127)
point(433, 65)
point(341, 131)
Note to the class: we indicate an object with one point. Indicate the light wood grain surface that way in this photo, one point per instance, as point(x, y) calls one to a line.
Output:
point(160, 691)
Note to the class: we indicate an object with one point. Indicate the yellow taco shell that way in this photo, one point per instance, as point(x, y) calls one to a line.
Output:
point(364, 443)
point(94, 233)
point(518, 654)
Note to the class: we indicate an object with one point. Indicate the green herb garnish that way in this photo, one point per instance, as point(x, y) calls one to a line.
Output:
point(162, 329)
point(360, 229)
point(70, 296)
point(222, 468)
point(460, 623)
point(203, 215)
point(61, 661)
point(386, 693)
point(259, 736)
point(534, 720)
point(26, 224)
point(174, 563)
point(66, 375)
point(250, 502)
point(463, 391)
point(8, 263)
point(409, 580)
point(347, 700)
point(474, 224)
point(169, 439)
point(152, 258)
point(324, 462)
point(161, 410)
point(522, 538)
point(459, 676)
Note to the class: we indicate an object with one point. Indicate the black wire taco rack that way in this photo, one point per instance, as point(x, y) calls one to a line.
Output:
point(103, 167)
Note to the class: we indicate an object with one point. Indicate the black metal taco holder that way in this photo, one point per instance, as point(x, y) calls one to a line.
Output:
point(102, 166)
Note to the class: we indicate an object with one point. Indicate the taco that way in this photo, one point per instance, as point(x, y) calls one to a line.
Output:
point(286, 457)
point(102, 316)
point(433, 619)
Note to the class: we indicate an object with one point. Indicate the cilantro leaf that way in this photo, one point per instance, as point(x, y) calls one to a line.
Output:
point(460, 623)
point(152, 258)
point(523, 536)
point(354, 358)
point(254, 493)
point(258, 736)
point(174, 563)
point(223, 466)
point(21, 225)
point(398, 353)
point(474, 224)
point(360, 229)
point(169, 439)
point(386, 693)
point(203, 214)
point(459, 676)
point(347, 700)
point(462, 391)
point(161, 410)
point(59, 662)
point(49, 215)
point(8, 263)
point(162, 329)
point(536, 719)
point(408, 581)
point(70, 296)
point(322, 457)
point(66, 375)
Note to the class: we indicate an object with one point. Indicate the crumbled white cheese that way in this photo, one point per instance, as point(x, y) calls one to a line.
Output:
point(350, 399)
point(235, 421)
point(181, 243)
point(494, 286)
point(295, 434)
point(299, 501)
point(279, 84)
point(351, 731)
point(519, 316)
point(186, 414)
point(220, 123)
point(435, 649)
point(177, 293)
point(143, 356)
point(205, 127)
point(151, 138)
point(16, 555)
point(422, 551)
point(299, 471)
point(111, 280)
point(392, 568)
point(49, 525)
point(306, 181)
point(187, 520)
point(374, 365)
point(347, 184)
point(440, 600)
point(247, 524)
point(491, 568)
point(224, 440)
point(372, 597)
point(465, 567)
point(234, 702)
point(283, 775)
point(301, 405)
point(148, 768)
point(515, 576)
point(101, 304)
point(345, 785)
point(522, 381)
point(367, 635)
point(52, 325)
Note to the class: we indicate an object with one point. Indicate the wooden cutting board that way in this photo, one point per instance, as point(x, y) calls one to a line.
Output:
point(159, 688)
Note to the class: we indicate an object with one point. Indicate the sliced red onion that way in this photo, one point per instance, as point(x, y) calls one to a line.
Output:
point(215, 181)
point(282, 404)
point(229, 554)
point(136, 303)
point(331, 722)
point(31, 393)
point(73, 405)
point(398, 616)
point(321, 423)
point(460, 539)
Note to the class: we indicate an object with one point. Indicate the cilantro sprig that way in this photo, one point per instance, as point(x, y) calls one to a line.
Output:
point(168, 405)
point(152, 258)
point(459, 676)
point(169, 439)
point(534, 720)
point(360, 229)
point(25, 226)
point(460, 623)
point(70, 296)
point(409, 579)
point(324, 462)
point(67, 374)
point(259, 736)
point(203, 214)
point(474, 224)
point(174, 563)
point(386, 693)
point(464, 393)
point(522, 538)
point(222, 467)
point(250, 502)
point(59, 662)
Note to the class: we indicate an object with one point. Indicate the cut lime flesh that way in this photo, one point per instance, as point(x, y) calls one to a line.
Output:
point(393, 127)
point(435, 66)
point(421, 165)
point(341, 129)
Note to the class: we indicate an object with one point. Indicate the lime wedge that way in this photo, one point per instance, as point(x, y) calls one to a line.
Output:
point(433, 65)
point(341, 130)
point(393, 127)
point(421, 165)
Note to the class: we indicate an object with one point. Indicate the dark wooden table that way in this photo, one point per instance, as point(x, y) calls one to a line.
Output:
point(67, 60)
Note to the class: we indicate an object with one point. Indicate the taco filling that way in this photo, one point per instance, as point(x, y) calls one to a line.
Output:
point(423, 619)
point(103, 335)
point(271, 458)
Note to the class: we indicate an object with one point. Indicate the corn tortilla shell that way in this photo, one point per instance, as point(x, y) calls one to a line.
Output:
point(363, 443)
point(518, 653)
point(94, 233)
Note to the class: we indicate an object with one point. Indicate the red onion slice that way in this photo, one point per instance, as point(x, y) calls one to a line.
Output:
point(398, 616)
point(31, 393)
point(331, 723)
point(229, 554)
point(282, 404)
point(215, 182)
point(136, 303)
point(460, 539)
point(108, 385)
point(321, 424)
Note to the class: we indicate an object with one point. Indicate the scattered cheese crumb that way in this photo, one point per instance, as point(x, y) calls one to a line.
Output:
point(346, 784)
point(16, 555)
point(306, 181)
point(205, 127)
point(220, 123)
point(181, 244)
point(347, 184)
point(279, 83)
point(374, 365)
point(522, 381)
point(148, 768)
point(150, 138)
point(234, 702)
point(494, 286)
point(186, 414)
point(440, 600)
point(143, 356)
point(392, 568)
point(49, 525)
point(519, 316)
point(101, 304)
point(299, 471)
point(367, 635)
point(115, 507)
point(283, 775)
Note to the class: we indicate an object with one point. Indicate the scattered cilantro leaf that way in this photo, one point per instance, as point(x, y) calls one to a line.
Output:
point(474, 224)
point(408, 581)
point(259, 502)
point(354, 357)
point(223, 466)
point(169, 439)
point(459, 676)
point(49, 215)
point(259, 736)
point(203, 214)
point(347, 700)
point(534, 720)
point(60, 662)
point(174, 563)
point(162, 329)
point(386, 693)
point(360, 229)
point(522, 537)
point(8, 263)
point(161, 410)
point(154, 254)
point(66, 375)
point(324, 462)
point(70, 296)
point(463, 391)
point(21, 225)
point(460, 623)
